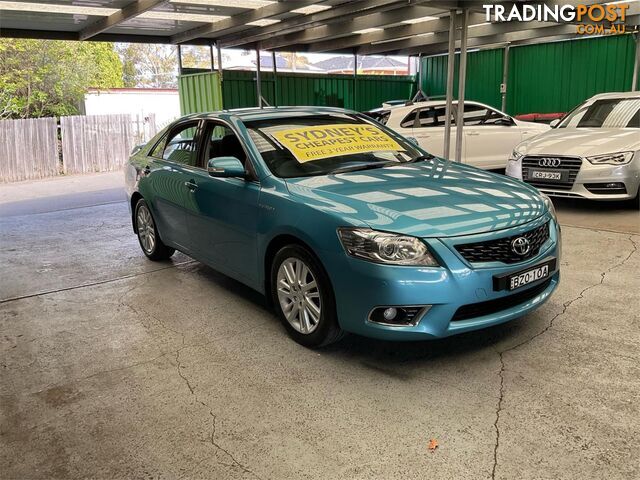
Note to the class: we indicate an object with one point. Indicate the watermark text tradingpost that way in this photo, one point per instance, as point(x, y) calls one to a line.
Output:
point(593, 19)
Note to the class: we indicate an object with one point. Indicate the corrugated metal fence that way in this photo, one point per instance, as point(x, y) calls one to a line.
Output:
point(204, 92)
point(28, 149)
point(32, 148)
point(543, 78)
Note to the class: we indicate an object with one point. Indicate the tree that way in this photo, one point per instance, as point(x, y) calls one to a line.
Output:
point(148, 65)
point(49, 78)
point(294, 60)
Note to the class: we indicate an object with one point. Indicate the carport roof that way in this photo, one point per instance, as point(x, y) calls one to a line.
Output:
point(356, 26)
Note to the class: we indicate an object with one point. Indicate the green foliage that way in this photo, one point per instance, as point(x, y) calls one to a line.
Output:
point(40, 78)
point(148, 65)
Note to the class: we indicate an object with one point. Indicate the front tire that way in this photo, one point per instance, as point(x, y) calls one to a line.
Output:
point(148, 236)
point(303, 297)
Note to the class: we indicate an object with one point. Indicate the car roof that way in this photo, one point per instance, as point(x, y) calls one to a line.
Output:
point(432, 103)
point(616, 95)
point(255, 113)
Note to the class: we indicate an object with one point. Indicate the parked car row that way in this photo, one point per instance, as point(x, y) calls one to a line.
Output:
point(592, 152)
point(346, 225)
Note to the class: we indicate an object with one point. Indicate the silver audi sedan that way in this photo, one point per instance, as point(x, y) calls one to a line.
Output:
point(593, 152)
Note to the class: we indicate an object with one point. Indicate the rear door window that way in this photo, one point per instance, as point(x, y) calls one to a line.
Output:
point(432, 117)
point(181, 145)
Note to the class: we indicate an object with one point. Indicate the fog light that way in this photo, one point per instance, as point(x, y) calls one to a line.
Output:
point(398, 316)
point(390, 313)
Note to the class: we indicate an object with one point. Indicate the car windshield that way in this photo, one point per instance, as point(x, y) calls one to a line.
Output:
point(326, 144)
point(605, 113)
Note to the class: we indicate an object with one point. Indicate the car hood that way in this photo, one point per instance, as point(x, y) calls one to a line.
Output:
point(434, 198)
point(582, 142)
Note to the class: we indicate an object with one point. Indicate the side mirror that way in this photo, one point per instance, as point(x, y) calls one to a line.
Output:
point(413, 140)
point(225, 167)
point(554, 123)
point(505, 122)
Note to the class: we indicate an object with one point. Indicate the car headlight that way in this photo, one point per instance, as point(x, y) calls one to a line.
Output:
point(549, 204)
point(620, 158)
point(515, 156)
point(387, 248)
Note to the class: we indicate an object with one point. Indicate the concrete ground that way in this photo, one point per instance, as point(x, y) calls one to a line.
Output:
point(112, 366)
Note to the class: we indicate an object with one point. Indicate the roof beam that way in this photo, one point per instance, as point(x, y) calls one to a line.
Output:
point(338, 13)
point(131, 10)
point(346, 28)
point(240, 20)
point(414, 44)
point(390, 34)
point(477, 38)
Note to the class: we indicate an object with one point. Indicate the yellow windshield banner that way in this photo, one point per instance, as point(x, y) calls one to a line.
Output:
point(324, 141)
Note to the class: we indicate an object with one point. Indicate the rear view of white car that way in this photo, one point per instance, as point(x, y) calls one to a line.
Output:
point(593, 152)
point(489, 134)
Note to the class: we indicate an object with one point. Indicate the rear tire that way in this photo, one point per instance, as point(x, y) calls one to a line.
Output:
point(303, 297)
point(148, 235)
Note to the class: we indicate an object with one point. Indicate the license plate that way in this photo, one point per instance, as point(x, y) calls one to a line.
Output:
point(521, 279)
point(554, 176)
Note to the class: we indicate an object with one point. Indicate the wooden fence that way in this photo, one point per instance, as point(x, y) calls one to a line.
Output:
point(95, 143)
point(28, 149)
point(33, 148)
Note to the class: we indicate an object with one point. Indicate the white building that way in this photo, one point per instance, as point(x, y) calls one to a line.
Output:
point(164, 103)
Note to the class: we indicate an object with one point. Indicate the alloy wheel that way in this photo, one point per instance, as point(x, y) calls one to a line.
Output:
point(298, 295)
point(146, 229)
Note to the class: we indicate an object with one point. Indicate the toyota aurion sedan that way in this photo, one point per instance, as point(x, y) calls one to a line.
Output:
point(593, 152)
point(343, 224)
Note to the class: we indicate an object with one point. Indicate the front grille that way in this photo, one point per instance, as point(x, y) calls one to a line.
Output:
point(569, 164)
point(500, 250)
point(474, 310)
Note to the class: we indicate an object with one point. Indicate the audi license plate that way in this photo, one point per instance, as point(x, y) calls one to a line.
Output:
point(552, 175)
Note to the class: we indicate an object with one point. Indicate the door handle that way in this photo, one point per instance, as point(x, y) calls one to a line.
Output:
point(191, 185)
point(473, 134)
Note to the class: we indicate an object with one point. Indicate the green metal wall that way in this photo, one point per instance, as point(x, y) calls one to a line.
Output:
point(200, 92)
point(484, 76)
point(543, 78)
point(239, 90)
point(555, 77)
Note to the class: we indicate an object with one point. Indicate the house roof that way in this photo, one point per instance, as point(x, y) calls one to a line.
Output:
point(345, 62)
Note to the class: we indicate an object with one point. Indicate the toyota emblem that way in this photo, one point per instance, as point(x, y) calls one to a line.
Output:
point(549, 162)
point(520, 246)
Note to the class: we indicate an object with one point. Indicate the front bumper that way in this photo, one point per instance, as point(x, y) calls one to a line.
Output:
point(361, 286)
point(590, 175)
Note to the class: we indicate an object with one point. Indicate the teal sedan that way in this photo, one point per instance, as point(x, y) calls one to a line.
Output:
point(344, 225)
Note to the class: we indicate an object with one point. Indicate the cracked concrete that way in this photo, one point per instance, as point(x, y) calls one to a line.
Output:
point(114, 367)
point(565, 306)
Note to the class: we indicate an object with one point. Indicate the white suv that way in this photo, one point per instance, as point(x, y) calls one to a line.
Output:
point(489, 134)
point(593, 152)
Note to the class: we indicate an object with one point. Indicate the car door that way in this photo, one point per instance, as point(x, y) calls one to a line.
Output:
point(489, 136)
point(170, 165)
point(428, 129)
point(223, 217)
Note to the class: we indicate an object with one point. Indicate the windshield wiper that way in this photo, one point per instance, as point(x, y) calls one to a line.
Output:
point(369, 166)
point(421, 158)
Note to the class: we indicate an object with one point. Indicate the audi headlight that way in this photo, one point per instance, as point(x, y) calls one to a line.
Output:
point(620, 158)
point(515, 156)
point(549, 204)
point(387, 248)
